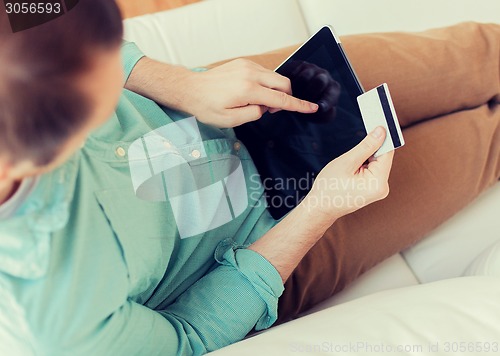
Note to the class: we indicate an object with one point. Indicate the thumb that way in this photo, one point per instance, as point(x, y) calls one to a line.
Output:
point(366, 148)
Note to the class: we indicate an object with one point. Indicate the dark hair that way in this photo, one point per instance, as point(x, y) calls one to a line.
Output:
point(40, 104)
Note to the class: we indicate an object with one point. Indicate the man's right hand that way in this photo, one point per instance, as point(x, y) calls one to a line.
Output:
point(225, 96)
point(238, 92)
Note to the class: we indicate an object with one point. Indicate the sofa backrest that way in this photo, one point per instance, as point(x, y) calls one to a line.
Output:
point(362, 16)
point(213, 30)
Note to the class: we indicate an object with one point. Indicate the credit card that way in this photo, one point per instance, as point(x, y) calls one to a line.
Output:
point(377, 109)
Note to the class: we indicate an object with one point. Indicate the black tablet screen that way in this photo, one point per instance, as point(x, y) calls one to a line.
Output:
point(289, 149)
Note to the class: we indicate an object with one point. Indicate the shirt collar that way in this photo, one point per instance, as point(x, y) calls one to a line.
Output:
point(25, 238)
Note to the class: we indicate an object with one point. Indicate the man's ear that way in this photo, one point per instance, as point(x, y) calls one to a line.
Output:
point(5, 169)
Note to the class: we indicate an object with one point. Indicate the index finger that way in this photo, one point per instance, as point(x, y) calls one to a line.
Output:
point(280, 100)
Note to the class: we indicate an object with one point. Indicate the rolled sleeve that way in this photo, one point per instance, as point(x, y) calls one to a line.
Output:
point(226, 304)
point(131, 54)
point(261, 275)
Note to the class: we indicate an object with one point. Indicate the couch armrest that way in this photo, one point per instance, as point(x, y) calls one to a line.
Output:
point(459, 315)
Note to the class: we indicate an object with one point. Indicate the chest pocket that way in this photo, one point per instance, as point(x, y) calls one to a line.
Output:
point(147, 236)
point(203, 182)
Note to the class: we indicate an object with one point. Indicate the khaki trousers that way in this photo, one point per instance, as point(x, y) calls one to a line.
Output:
point(445, 84)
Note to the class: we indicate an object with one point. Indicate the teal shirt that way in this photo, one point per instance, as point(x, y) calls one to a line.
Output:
point(134, 249)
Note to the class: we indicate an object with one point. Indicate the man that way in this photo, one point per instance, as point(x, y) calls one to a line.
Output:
point(90, 266)
point(87, 266)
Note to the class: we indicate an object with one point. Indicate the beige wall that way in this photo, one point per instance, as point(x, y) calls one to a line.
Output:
point(132, 8)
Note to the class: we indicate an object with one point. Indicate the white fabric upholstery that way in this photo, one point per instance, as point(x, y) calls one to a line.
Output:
point(487, 263)
point(454, 245)
point(214, 30)
point(459, 312)
point(361, 16)
point(211, 31)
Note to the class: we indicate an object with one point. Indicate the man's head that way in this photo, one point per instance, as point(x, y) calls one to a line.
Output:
point(58, 81)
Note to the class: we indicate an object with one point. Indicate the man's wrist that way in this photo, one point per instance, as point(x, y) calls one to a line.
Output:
point(317, 219)
point(169, 85)
point(184, 88)
point(315, 214)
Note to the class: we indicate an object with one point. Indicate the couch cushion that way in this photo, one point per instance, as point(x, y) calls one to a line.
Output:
point(486, 264)
point(210, 31)
point(452, 247)
point(450, 317)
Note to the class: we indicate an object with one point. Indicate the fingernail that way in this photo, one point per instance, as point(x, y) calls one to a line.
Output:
point(313, 106)
point(378, 132)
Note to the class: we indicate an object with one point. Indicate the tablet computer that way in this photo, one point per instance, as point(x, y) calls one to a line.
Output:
point(288, 148)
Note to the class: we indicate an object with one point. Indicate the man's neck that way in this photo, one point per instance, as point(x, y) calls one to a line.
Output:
point(7, 190)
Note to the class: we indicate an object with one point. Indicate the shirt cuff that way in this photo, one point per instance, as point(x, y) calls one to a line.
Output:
point(131, 54)
point(261, 274)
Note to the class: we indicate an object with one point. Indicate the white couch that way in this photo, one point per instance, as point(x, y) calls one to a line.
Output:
point(214, 30)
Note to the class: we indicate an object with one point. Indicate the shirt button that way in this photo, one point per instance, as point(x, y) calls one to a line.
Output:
point(196, 154)
point(167, 144)
point(237, 146)
point(270, 144)
point(120, 151)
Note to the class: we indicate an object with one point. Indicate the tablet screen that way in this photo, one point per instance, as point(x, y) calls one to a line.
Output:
point(289, 149)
